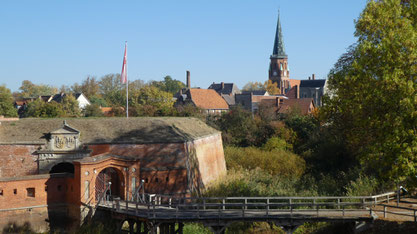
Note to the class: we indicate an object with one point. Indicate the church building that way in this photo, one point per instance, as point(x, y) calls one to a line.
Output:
point(279, 71)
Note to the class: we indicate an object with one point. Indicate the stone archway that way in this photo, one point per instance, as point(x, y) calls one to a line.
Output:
point(109, 183)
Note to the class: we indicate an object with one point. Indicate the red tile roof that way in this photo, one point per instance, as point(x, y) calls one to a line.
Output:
point(305, 105)
point(207, 99)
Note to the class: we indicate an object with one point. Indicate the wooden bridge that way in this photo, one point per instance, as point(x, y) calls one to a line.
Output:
point(169, 213)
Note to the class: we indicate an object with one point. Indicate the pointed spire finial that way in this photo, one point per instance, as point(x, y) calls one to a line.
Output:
point(279, 50)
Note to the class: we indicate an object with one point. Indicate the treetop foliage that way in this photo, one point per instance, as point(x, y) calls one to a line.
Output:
point(374, 88)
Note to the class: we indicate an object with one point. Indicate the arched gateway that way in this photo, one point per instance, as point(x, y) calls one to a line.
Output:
point(109, 184)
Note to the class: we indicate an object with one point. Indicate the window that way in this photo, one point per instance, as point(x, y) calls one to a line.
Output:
point(14, 191)
point(1, 192)
point(30, 192)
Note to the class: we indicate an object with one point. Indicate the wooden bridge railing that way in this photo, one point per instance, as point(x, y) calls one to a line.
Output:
point(241, 210)
point(364, 200)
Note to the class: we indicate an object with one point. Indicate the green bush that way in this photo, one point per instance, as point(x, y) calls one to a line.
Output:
point(276, 162)
point(363, 186)
point(256, 183)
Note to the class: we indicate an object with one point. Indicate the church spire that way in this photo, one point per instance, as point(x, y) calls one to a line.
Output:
point(279, 50)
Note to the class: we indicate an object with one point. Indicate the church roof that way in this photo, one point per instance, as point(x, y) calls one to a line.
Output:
point(279, 49)
point(140, 130)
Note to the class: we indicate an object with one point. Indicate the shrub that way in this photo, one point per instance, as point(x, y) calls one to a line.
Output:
point(275, 162)
point(363, 186)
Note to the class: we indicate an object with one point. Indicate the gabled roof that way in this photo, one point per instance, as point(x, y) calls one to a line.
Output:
point(304, 105)
point(292, 93)
point(207, 99)
point(230, 99)
point(313, 83)
point(65, 130)
point(225, 88)
point(59, 97)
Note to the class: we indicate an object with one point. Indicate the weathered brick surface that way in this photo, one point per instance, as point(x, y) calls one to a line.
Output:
point(18, 160)
point(47, 191)
point(211, 162)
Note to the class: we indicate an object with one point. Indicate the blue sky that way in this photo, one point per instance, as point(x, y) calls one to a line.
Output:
point(57, 42)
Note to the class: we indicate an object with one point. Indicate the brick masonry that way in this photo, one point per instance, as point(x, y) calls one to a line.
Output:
point(170, 168)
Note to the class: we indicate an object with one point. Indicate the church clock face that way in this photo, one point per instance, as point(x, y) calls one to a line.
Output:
point(275, 73)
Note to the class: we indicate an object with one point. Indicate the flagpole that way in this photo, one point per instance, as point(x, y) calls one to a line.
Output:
point(127, 87)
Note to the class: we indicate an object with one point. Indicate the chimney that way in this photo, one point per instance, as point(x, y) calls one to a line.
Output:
point(309, 78)
point(222, 85)
point(297, 92)
point(188, 80)
point(314, 77)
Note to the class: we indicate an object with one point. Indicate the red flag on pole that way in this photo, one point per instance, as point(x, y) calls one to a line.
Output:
point(123, 75)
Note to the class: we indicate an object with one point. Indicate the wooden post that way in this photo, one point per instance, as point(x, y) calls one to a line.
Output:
point(267, 208)
point(117, 205)
point(223, 202)
point(388, 198)
point(415, 217)
point(243, 211)
point(246, 202)
point(154, 215)
point(136, 208)
point(338, 203)
point(385, 211)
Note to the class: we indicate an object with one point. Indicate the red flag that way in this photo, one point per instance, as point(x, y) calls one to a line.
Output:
point(123, 75)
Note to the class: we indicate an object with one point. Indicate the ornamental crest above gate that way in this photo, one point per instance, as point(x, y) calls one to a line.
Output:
point(65, 138)
point(63, 145)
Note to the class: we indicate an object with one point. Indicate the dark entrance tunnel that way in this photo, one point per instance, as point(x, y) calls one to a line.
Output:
point(64, 167)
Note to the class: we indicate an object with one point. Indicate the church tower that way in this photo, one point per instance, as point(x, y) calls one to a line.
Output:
point(279, 71)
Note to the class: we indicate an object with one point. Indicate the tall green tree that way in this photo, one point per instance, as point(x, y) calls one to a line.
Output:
point(111, 89)
point(6, 102)
point(29, 89)
point(373, 90)
point(168, 85)
point(41, 109)
point(70, 106)
point(89, 87)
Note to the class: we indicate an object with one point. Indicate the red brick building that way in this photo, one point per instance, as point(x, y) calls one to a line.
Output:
point(52, 170)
